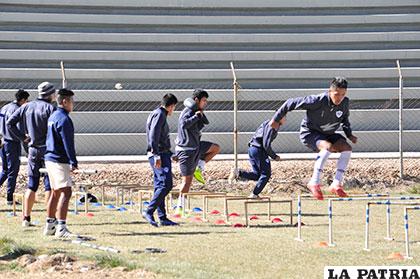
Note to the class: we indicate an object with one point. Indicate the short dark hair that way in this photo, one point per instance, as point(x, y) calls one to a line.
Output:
point(21, 95)
point(64, 94)
point(339, 82)
point(169, 100)
point(200, 93)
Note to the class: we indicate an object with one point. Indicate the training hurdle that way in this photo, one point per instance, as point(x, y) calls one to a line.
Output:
point(407, 241)
point(228, 199)
point(310, 197)
point(269, 202)
point(142, 192)
point(189, 195)
point(17, 196)
point(387, 202)
point(117, 187)
point(206, 199)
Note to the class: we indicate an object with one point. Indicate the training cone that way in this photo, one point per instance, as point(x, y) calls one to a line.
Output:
point(129, 203)
point(302, 224)
point(97, 204)
point(395, 256)
point(110, 206)
point(215, 212)
point(321, 244)
point(238, 225)
point(176, 216)
point(220, 222)
point(196, 219)
point(197, 209)
point(90, 214)
point(276, 220)
point(146, 203)
point(253, 218)
point(234, 214)
point(122, 209)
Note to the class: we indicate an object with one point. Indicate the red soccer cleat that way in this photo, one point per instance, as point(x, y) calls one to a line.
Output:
point(316, 191)
point(337, 189)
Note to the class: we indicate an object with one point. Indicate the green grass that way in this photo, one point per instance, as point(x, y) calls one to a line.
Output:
point(205, 250)
point(415, 190)
point(10, 250)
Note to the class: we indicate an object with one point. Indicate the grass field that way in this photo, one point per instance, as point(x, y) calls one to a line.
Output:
point(206, 250)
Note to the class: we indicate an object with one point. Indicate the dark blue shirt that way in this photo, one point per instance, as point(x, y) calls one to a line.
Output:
point(35, 116)
point(60, 139)
point(189, 129)
point(157, 131)
point(6, 112)
point(321, 113)
point(263, 138)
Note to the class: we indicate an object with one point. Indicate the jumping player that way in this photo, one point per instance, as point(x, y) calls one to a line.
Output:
point(324, 115)
point(259, 152)
point(191, 153)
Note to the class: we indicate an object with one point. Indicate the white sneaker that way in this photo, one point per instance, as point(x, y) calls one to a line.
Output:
point(253, 196)
point(27, 224)
point(63, 232)
point(234, 174)
point(50, 228)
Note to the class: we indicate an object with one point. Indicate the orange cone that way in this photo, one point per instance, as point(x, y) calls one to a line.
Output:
point(220, 222)
point(276, 220)
point(234, 214)
point(395, 256)
point(238, 225)
point(215, 212)
point(253, 218)
point(322, 244)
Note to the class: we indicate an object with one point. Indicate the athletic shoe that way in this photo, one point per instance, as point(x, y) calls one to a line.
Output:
point(316, 191)
point(10, 203)
point(253, 196)
point(337, 189)
point(27, 224)
point(166, 222)
point(198, 175)
point(50, 228)
point(150, 219)
point(63, 232)
point(234, 174)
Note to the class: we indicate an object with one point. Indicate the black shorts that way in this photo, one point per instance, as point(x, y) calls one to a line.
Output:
point(188, 159)
point(310, 138)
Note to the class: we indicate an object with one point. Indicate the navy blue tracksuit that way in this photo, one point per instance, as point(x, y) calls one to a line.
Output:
point(159, 144)
point(35, 116)
point(259, 152)
point(10, 152)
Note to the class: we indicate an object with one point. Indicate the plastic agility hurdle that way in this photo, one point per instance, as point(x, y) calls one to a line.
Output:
point(309, 197)
point(227, 199)
point(407, 241)
point(387, 202)
point(269, 203)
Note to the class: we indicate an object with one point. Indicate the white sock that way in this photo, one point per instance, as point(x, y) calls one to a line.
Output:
point(319, 166)
point(342, 163)
point(180, 201)
point(201, 164)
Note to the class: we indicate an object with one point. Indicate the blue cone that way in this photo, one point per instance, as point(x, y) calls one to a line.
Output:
point(197, 209)
point(122, 209)
point(97, 204)
point(110, 206)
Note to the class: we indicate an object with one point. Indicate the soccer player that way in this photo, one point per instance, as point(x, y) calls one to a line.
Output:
point(60, 161)
point(35, 115)
point(260, 152)
point(192, 153)
point(159, 154)
point(324, 115)
point(12, 148)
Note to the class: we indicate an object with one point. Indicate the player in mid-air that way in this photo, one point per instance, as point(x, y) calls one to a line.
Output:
point(260, 152)
point(324, 115)
point(192, 153)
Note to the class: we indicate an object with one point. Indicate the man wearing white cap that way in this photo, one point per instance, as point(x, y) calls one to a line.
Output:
point(35, 116)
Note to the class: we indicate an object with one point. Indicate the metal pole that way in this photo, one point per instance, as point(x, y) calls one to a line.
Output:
point(388, 223)
point(367, 229)
point(235, 116)
point(400, 119)
point(299, 223)
point(330, 228)
point(407, 242)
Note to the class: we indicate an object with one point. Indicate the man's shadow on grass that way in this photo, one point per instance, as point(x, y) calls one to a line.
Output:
point(165, 234)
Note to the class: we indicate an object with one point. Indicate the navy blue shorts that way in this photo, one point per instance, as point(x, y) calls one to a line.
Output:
point(188, 159)
point(309, 139)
